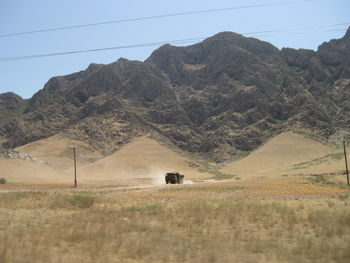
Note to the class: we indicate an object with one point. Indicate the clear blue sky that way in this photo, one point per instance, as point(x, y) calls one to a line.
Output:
point(25, 77)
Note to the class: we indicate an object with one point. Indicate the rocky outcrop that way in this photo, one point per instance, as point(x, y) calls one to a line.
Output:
point(13, 154)
point(11, 106)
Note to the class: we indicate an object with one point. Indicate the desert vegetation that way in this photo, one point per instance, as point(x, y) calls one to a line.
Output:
point(336, 154)
point(241, 221)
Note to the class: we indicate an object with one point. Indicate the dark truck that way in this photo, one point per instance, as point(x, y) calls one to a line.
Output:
point(174, 178)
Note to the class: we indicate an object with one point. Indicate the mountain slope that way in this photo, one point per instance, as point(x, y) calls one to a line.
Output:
point(277, 156)
point(57, 152)
point(25, 171)
point(220, 98)
point(11, 106)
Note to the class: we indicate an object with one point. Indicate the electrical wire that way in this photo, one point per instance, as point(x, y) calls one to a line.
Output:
point(182, 41)
point(297, 28)
point(301, 32)
point(154, 17)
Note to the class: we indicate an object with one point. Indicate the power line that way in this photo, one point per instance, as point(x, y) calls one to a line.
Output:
point(301, 33)
point(180, 41)
point(154, 17)
point(296, 28)
point(100, 49)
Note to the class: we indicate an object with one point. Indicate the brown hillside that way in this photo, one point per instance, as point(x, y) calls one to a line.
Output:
point(143, 159)
point(277, 156)
point(25, 171)
point(57, 151)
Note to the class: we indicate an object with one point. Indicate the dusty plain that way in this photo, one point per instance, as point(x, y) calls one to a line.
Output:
point(289, 206)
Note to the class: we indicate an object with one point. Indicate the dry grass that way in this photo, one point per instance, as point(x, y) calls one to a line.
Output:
point(205, 223)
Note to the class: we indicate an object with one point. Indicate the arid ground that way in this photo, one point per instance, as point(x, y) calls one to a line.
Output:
point(285, 202)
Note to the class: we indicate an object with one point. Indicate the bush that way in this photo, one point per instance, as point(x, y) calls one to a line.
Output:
point(71, 201)
point(82, 201)
point(3, 181)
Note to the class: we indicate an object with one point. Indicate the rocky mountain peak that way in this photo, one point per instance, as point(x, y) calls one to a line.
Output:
point(225, 35)
point(94, 66)
point(11, 105)
point(347, 34)
point(10, 101)
point(220, 98)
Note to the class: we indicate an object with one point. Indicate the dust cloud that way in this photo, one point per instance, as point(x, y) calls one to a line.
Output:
point(158, 177)
point(188, 181)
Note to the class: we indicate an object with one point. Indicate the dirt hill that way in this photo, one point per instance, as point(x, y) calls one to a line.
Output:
point(145, 160)
point(277, 156)
point(25, 171)
point(142, 161)
point(57, 151)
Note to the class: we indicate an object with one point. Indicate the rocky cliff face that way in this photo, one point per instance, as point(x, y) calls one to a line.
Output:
point(221, 97)
point(11, 106)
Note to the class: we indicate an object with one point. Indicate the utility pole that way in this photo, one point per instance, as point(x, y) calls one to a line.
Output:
point(346, 163)
point(75, 169)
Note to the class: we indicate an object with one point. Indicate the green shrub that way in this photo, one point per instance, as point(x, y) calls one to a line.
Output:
point(3, 181)
point(318, 179)
point(221, 176)
point(83, 201)
point(71, 201)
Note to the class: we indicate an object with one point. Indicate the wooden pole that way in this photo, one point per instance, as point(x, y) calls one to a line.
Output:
point(346, 163)
point(75, 169)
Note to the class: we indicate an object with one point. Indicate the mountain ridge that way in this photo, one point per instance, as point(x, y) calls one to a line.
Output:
point(220, 98)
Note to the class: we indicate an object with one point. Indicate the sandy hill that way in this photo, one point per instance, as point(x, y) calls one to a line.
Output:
point(278, 156)
point(25, 171)
point(142, 160)
point(145, 160)
point(55, 158)
point(332, 163)
point(57, 151)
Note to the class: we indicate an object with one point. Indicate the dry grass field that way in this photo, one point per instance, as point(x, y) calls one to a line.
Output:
point(294, 219)
point(287, 202)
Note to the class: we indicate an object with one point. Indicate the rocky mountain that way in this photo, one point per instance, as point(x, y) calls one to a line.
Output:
point(219, 98)
point(11, 106)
